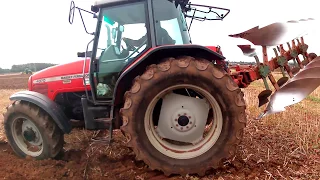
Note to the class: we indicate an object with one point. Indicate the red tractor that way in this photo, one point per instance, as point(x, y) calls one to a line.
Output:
point(179, 106)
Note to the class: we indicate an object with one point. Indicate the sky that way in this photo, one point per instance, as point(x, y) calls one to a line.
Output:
point(38, 31)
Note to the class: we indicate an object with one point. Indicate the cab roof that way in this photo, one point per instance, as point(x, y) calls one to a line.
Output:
point(100, 3)
point(129, 14)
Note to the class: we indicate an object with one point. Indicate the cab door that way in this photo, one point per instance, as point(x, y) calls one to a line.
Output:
point(113, 54)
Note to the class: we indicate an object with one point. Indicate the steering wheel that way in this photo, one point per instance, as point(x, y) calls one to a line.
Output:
point(130, 47)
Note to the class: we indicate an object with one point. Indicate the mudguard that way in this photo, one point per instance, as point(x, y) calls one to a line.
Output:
point(47, 105)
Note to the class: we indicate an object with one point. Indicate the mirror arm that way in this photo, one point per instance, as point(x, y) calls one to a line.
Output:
point(71, 15)
point(85, 28)
point(94, 14)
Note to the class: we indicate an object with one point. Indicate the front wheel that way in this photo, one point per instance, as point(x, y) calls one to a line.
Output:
point(31, 131)
point(184, 116)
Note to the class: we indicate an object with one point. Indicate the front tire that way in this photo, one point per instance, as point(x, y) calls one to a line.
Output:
point(32, 132)
point(203, 79)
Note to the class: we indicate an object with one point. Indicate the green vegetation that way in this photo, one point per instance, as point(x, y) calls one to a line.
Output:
point(313, 98)
point(30, 66)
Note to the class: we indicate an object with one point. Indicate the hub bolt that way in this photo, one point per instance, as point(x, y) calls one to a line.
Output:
point(189, 117)
point(187, 127)
point(177, 125)
point(190, 122)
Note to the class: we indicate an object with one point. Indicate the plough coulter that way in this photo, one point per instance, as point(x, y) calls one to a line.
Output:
point(179, 105)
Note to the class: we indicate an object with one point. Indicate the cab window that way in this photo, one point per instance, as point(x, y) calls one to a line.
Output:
point(123, 36)
point(170, 24)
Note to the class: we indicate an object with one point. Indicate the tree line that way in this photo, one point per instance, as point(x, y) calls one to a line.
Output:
point(22, 67)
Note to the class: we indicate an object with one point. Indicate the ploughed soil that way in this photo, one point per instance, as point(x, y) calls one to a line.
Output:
point(266, 152)
point(261, 155)
point(14, 81)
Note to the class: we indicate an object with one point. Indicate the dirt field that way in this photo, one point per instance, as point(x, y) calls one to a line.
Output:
point(13, 81)
point(282, 146)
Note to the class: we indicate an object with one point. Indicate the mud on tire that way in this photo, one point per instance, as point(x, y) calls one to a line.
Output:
point(184, 70)
point(52, 137)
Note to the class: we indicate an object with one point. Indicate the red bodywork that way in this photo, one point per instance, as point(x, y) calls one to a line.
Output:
point(69, 77)
point(59, 79)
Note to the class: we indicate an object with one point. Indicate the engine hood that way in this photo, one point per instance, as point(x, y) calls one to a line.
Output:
point(60, 71)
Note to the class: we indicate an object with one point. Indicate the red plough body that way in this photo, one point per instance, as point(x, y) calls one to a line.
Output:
point(297, 81)
point(243, 75)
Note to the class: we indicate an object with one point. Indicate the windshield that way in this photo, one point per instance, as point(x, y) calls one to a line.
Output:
point(169, 17)
point(123, 33)
point(118, 24)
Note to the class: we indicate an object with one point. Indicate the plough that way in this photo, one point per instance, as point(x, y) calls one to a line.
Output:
point(296, 82)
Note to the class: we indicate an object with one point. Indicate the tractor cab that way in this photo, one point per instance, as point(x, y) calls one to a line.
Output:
point(127, 30)
point(125, 33)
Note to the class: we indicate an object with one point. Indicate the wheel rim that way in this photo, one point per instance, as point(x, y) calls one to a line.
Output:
point(187, 151)
point(27, 136)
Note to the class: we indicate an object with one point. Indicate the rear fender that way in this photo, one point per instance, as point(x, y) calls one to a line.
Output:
point(154, 56)
point(47, 105)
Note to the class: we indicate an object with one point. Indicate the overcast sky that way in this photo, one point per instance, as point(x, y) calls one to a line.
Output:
point(39, 31)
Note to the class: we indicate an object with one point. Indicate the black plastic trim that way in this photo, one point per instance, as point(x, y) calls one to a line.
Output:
point(88, 116)
point(47, 105)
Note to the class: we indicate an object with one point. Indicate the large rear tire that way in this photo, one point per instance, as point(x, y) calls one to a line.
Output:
point(208, 82)
point(32, 132)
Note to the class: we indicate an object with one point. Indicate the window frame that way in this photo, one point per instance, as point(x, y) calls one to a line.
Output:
point(94, 65)
point(185, 40)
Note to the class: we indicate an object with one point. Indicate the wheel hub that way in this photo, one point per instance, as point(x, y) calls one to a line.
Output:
point(29, 135)
point(182, 118)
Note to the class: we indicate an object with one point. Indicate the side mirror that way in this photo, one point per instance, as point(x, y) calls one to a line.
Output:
point(71, 15)
point(71, 12)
